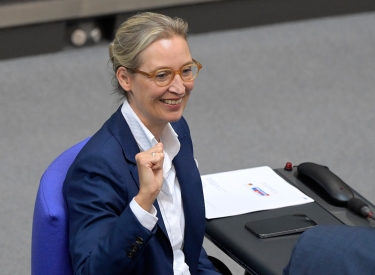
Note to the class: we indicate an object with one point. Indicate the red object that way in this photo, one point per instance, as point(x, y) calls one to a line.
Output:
point(288, 166)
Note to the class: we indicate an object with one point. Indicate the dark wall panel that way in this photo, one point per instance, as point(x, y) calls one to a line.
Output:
point(233, 14)
point(31, 39)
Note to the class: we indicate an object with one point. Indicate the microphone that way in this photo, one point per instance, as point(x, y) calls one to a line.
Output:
point(359, 207)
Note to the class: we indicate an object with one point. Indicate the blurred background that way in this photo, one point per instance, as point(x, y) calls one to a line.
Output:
point(281, 81)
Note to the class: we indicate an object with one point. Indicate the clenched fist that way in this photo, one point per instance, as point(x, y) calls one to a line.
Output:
point(150, 170)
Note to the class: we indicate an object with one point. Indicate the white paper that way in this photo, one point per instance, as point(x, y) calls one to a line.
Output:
point(249, 190)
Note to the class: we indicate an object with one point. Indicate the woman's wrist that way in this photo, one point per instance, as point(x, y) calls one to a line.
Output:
point(145, 201)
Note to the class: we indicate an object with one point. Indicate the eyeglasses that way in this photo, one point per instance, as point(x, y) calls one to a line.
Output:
point(164, 77)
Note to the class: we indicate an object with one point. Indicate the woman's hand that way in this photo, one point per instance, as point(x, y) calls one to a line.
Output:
point(150, 170)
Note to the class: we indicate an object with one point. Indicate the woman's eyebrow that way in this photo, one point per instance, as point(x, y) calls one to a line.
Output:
point(165, 67)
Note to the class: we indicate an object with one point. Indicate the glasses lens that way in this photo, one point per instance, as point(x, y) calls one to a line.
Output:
point(163, 77)
point(189, 72)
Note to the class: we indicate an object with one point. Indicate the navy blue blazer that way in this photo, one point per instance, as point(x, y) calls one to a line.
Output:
point(104, 235)
point(333, 250)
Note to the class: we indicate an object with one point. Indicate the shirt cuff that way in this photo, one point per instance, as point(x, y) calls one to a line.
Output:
point(147, 219)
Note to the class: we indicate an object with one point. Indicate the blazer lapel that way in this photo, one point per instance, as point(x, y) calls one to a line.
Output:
point(121, 131)
point(193, 201)
point(124, 136)
point(160, 219)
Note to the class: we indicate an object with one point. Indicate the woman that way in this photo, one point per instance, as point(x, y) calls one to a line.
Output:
point(134, 192)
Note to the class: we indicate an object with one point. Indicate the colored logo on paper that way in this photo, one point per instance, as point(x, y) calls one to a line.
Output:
point(259, 191)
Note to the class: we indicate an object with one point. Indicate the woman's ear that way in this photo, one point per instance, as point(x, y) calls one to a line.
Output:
point(124, 78)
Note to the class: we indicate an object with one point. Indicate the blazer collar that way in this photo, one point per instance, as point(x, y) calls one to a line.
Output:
point(124, 136)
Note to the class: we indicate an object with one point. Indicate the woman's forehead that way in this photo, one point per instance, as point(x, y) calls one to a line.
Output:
point(166, 52)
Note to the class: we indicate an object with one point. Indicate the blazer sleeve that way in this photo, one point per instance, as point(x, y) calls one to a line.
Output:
point(205, 266)
point(333, 250)
point(104, 235)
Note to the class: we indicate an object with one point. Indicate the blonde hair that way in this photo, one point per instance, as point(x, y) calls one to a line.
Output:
point(136, 34)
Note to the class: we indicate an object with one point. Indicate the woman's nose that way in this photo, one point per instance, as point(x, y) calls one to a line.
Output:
point(177, 85)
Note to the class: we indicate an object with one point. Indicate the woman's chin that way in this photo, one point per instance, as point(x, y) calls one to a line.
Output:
point(175, 118)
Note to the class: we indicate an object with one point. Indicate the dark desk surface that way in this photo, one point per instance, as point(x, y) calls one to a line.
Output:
point(269, 256)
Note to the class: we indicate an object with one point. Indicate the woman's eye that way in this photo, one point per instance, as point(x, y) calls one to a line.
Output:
point(186, 71)
point(162, 75)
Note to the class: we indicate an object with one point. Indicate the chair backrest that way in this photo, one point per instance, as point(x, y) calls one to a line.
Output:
point(49, 246)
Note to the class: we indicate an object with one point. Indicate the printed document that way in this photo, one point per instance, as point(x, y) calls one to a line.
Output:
point(248, 190)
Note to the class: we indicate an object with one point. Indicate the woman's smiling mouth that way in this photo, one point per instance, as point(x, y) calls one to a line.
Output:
point(171, 101)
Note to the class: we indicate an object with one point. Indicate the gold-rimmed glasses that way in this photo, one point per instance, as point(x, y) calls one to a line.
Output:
point(164, 77)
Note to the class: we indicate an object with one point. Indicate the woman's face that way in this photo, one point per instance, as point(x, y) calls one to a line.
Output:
point(154, 105)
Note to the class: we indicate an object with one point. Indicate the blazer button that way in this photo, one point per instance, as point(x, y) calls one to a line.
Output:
point(139, 241)
point(130, 254)
point(134, 248)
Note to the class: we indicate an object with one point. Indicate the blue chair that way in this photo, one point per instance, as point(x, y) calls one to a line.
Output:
point(49, 246)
